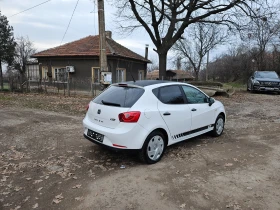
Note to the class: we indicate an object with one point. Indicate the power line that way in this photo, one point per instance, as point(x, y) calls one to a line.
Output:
point(29, 8)
point(70, 21)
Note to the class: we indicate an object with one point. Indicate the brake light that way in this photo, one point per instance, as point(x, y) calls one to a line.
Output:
point(129, 117)
point(87, 107)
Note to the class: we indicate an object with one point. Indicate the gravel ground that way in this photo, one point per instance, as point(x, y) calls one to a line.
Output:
point(45, 163)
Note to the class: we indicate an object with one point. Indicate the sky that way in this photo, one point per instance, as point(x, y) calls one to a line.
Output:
point(46, 24)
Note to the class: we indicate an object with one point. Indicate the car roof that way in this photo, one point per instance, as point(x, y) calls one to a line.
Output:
point(264, 71)
point(144, 83)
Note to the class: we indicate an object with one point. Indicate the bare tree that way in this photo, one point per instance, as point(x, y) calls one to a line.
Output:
point(234, 66)
point(261, 32)
point(201, 39)
point(24, 49)
point(166, 20)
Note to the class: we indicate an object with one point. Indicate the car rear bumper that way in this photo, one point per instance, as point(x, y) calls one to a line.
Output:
point(110, 148)
point(120, 138)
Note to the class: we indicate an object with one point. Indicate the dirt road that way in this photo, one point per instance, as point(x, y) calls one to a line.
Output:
point(45, 163)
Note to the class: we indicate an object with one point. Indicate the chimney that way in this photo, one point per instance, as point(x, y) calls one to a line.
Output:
point(146, 51)
point(108, 34)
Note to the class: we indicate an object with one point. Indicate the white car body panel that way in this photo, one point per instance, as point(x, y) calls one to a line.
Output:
point(203, 116)
point(108, 116)
point(178, 121)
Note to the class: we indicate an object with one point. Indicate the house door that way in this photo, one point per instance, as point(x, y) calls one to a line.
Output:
point(95, 75)
point(121, 75)
point(141, 75)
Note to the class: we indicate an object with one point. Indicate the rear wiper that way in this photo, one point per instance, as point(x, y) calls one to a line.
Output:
point(109, 103)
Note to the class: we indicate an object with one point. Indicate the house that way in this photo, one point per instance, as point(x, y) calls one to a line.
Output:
point(83, 58)
point(174, 75)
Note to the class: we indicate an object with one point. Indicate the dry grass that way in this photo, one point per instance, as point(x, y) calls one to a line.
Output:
point(47, 102)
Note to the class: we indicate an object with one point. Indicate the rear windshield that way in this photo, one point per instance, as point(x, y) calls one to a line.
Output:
point(119, 96)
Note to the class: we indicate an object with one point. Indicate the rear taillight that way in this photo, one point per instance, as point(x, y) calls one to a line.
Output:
point(129, 117)
point(87, 107)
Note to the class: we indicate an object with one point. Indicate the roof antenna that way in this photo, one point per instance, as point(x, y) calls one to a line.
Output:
point(131, 74)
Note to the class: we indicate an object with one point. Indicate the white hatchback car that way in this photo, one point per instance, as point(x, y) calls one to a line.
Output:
point(149, 115)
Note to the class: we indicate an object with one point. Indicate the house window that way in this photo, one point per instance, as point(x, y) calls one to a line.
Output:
point(95, 74)
point(59, 74)
point(33, 71)
point(45, 73)
point(141, 75)
point(121, 75)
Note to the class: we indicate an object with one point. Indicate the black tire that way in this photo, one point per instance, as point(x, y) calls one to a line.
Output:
point(157, 139)
point(218, 126)
point(252, 89)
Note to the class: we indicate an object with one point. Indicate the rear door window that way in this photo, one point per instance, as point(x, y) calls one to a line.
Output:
point(119, 96)
point(171, 95)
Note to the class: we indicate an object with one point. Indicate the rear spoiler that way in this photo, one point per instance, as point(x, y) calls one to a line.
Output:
point(127, 85)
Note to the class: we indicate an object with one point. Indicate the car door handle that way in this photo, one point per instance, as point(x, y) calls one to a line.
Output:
point(193, 109)
point(166, 113)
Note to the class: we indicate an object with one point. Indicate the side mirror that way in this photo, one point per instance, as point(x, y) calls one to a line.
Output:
point(252, 77)
point(211, 101)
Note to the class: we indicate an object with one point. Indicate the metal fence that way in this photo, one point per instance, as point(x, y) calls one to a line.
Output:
point(71, 87)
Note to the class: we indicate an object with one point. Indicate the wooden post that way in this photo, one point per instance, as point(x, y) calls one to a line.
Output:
point(68, 83)
point(206, 72)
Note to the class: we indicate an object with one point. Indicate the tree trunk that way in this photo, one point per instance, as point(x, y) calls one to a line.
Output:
point(196, 76)
point(1, 76)
point(22, 81)
point(196, 72)
point(162, 57)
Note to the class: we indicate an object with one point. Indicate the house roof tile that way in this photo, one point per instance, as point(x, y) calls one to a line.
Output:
point(89, 46)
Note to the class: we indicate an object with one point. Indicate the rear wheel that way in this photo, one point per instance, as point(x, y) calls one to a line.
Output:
point(153, 148)
point(219, 126)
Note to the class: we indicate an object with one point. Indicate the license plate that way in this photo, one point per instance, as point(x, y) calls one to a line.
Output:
point(269, 88)
point(96, 136)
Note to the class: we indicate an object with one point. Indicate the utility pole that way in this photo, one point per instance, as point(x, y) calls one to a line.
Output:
point(102, 37)
point(207, 65)
point(102, 45)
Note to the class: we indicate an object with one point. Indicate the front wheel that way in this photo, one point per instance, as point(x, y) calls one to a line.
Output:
point(219, 126)
point(153, 148)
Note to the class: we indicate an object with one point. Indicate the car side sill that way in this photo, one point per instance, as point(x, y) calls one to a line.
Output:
point(193, 133)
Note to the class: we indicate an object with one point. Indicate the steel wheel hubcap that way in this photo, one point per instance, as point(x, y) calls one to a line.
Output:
point(220, 126)
point(155, 147)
